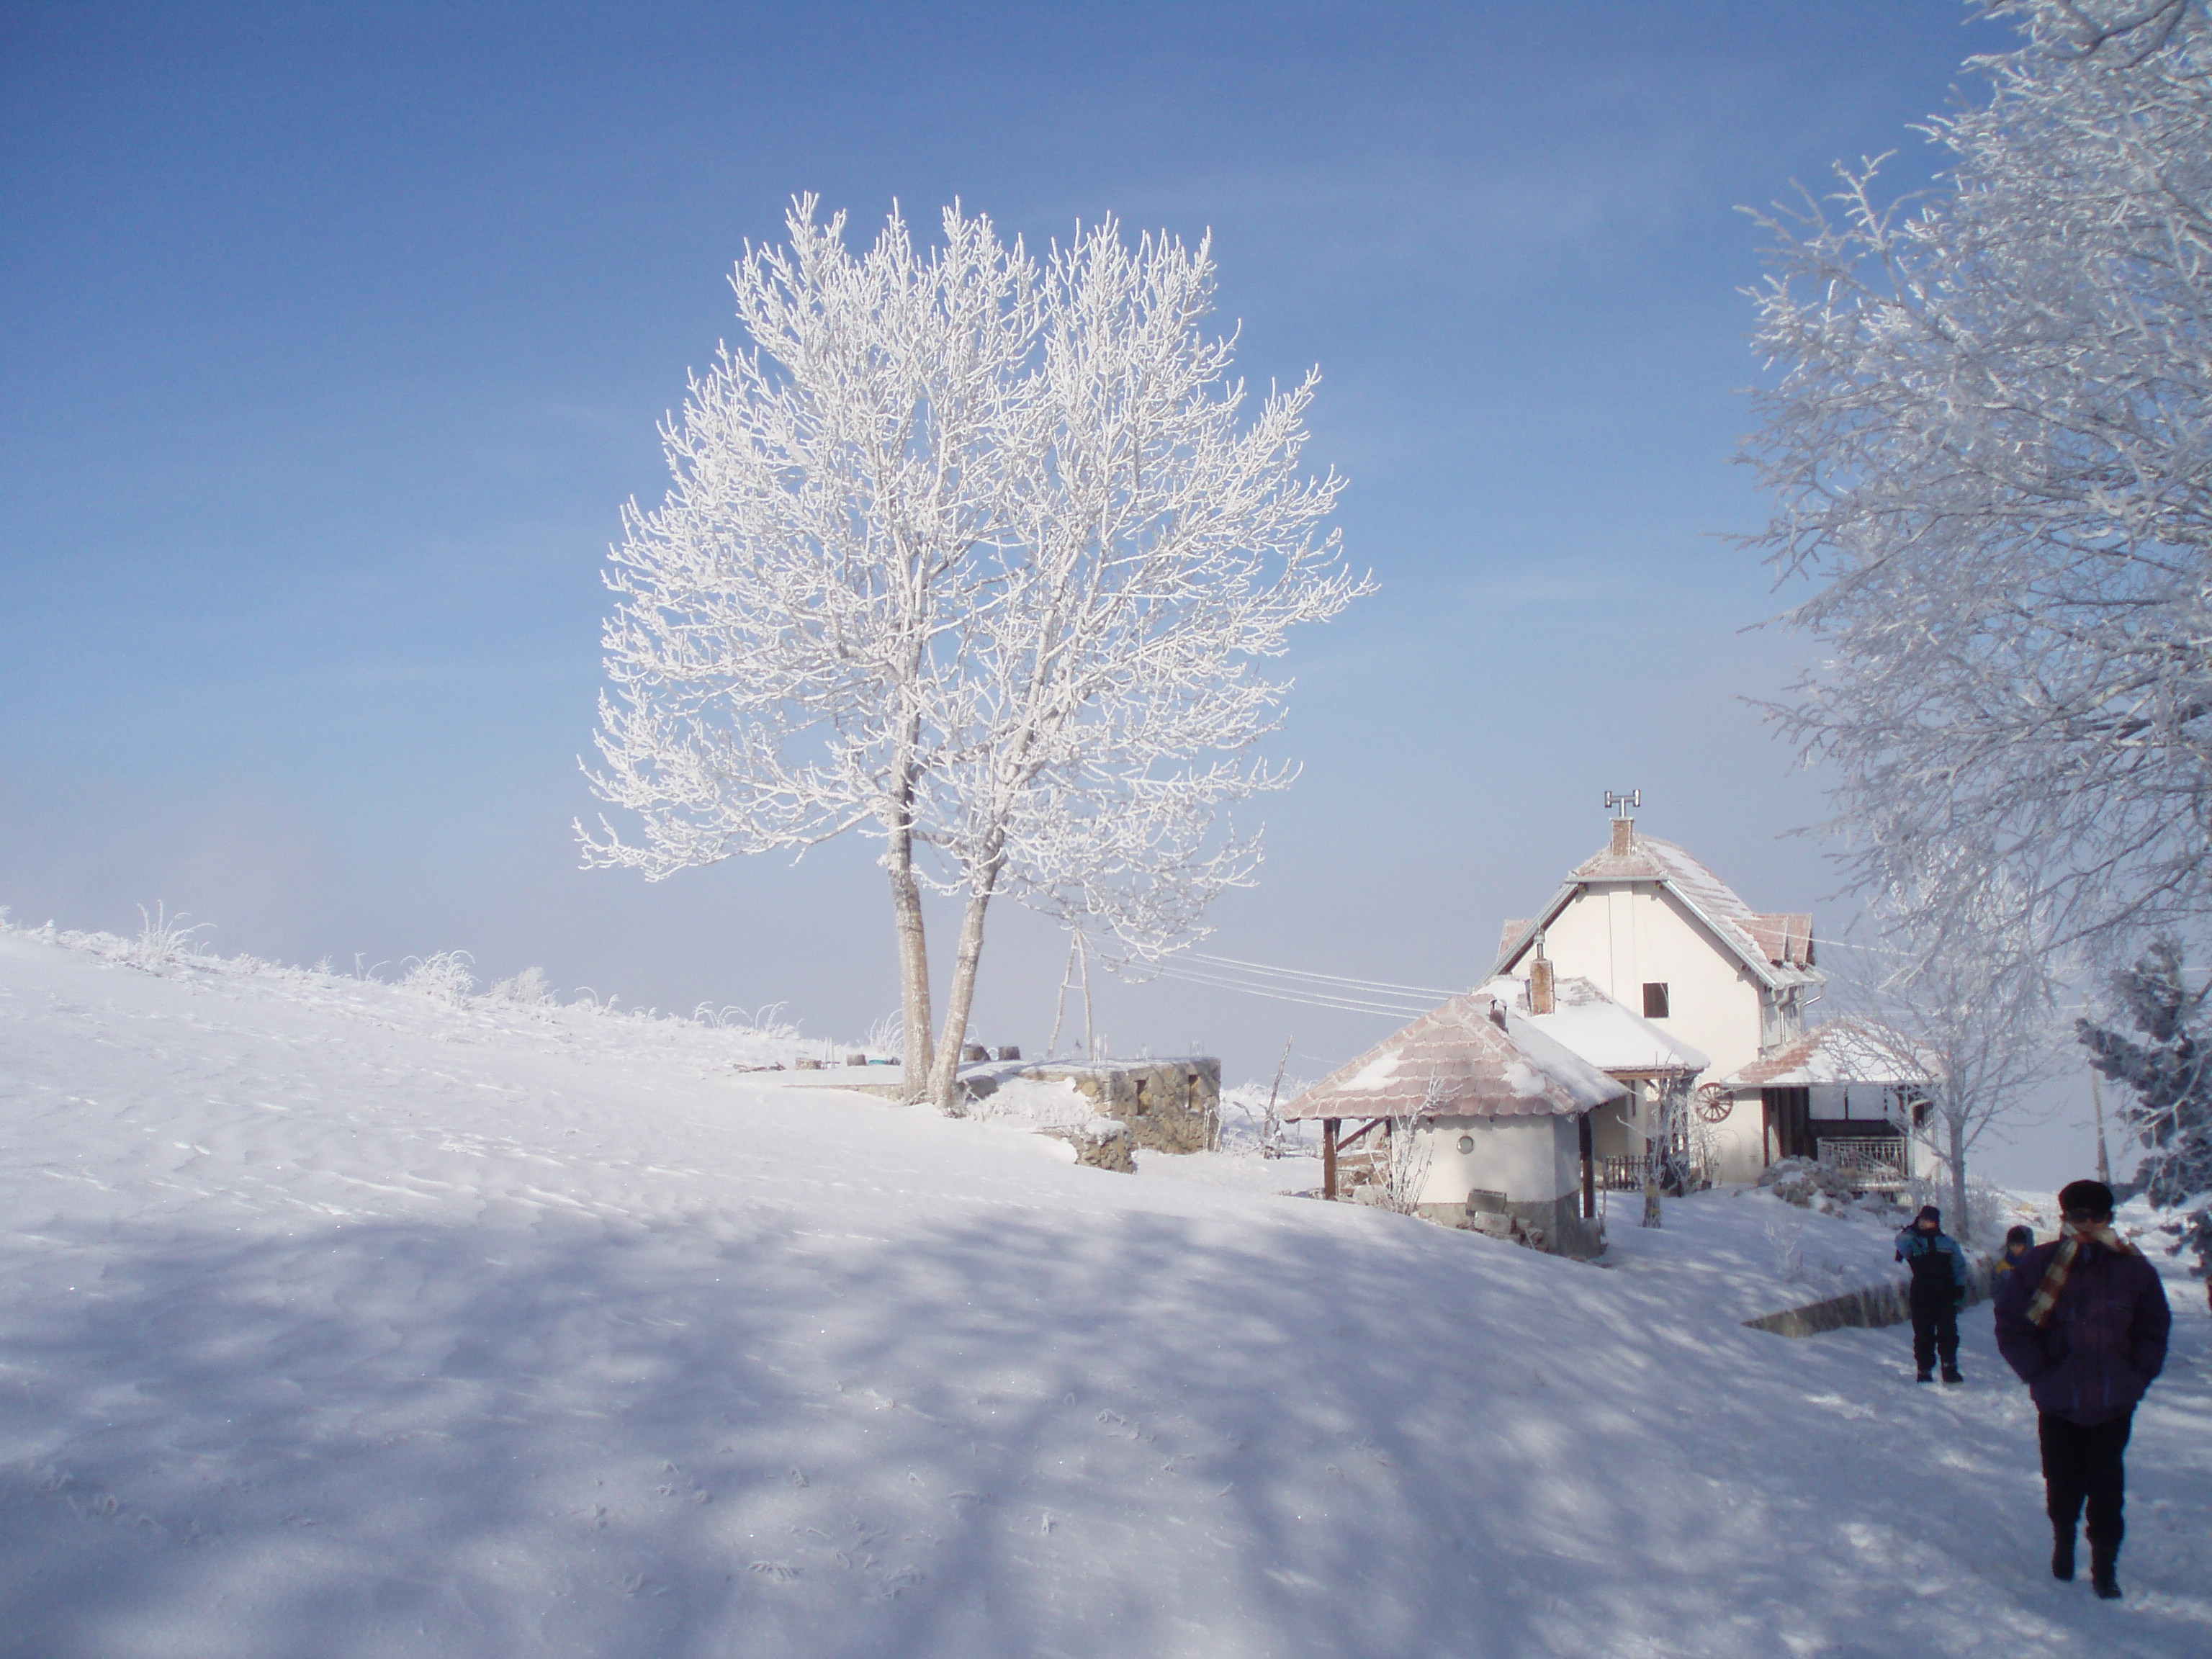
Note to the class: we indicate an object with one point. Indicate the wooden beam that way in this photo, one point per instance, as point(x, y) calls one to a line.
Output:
point(1584, 1135)
point(1328, 1157)
point(1371, 1123)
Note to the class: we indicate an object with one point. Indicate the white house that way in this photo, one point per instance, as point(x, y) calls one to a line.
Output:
point(1514, 1096)
point(1500, 1113)
point(1651, 925)
point(1631, 1050)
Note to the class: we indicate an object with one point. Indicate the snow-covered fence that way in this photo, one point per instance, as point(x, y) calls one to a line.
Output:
point(1868, 1164)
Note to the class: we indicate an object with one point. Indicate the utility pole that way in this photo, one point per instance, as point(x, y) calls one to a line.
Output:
point(2097, 1101)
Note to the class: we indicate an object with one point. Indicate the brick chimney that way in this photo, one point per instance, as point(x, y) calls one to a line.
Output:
point(1541, 1000)
point(1624, 835)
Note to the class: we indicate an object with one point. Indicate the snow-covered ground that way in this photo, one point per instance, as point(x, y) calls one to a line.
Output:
point(338, 1321)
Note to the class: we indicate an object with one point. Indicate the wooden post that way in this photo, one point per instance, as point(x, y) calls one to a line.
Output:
point(1328, 1157)
point(1589, 1166)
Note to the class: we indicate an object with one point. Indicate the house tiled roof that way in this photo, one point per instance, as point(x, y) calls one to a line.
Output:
point(1776, 945)
point(1607, 1034)
point(1847, 1050)
point(1458, 1060)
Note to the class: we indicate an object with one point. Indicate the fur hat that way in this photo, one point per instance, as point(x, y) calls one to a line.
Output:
point(2087, 1198)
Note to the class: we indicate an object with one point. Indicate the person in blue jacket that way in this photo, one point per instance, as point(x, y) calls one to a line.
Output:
point(2084, 1321)
point(2018, 1241)
point(1939, 1289)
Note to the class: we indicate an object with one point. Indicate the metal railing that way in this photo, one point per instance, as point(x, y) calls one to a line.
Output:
point(1869, 1164)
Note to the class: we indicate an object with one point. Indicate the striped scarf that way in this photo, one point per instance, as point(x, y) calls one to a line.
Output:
point(2054, 1277)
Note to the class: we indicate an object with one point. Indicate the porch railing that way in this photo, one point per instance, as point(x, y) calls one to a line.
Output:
point(1871, 1163)
point(1625, 1172)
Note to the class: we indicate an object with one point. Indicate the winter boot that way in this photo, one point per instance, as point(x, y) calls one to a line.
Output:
point(2062, 1554)
point(1925, 1377)
point(1951, 1374)
point(2104, 1572)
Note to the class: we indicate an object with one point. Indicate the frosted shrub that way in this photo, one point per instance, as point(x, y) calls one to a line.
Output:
point(887, 1037)
point(444, 977)
point(1402, 1170)
point(1788, 1242)
point(162, 939)
point(529, 989)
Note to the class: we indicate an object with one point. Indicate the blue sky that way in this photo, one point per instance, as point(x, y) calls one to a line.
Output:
point(337, 334)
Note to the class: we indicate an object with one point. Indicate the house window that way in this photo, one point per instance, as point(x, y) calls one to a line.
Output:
point(1655, 1001)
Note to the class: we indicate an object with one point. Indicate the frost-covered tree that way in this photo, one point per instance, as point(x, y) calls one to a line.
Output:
point(1964, 1007)
point(1157, 551)
point(779, 651)
point(1989, 441)
point(976, 559)
point(2169, 1072)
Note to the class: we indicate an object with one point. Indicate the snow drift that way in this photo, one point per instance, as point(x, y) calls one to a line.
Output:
point(337, 1319)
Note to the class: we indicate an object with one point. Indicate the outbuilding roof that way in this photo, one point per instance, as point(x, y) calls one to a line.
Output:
point(1600, 1029)
point(1474, 1056)
point(1845, 1050)
point(1776, 945)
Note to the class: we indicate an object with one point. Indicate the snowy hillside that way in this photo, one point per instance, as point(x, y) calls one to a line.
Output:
point(338, 1321)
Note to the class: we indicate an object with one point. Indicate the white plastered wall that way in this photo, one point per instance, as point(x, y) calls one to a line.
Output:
point(1532, 1160)
point(1622, 938)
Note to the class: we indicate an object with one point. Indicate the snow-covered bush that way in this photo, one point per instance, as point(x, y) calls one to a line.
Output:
point(1813, 1186)
point(443, 977)
point(528, 990)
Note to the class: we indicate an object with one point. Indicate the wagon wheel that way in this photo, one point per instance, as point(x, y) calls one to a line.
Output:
point(1714, 1104)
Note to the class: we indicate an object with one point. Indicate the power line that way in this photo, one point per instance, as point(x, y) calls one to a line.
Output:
point(1313, 997)
point(1329, 979)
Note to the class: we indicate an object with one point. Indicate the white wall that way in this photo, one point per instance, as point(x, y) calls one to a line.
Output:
point(1532, 1160)
point(1621, 938)
point(1870, 1102)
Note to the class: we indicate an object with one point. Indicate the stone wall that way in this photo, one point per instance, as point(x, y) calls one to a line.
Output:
point(1871, 1307)
point(1169, 1105)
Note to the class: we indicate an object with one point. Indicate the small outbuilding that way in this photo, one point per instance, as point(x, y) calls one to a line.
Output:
point(1659, 1068)
point(1491, 1116)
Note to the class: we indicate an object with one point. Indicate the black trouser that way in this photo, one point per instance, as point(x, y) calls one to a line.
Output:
point(2081, 1463)
point(1934, 1328)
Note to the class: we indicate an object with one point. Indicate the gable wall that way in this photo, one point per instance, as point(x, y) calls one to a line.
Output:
point(1622, 937)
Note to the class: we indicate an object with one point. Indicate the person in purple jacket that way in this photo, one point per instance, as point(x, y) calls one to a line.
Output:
point(2084, 1320)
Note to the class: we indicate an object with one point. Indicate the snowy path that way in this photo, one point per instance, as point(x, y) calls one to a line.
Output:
point(337, 1322)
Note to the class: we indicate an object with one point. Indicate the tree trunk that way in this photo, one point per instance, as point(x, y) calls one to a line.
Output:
point(945, 1077)
point(1960, 1221)
point(913, 948)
